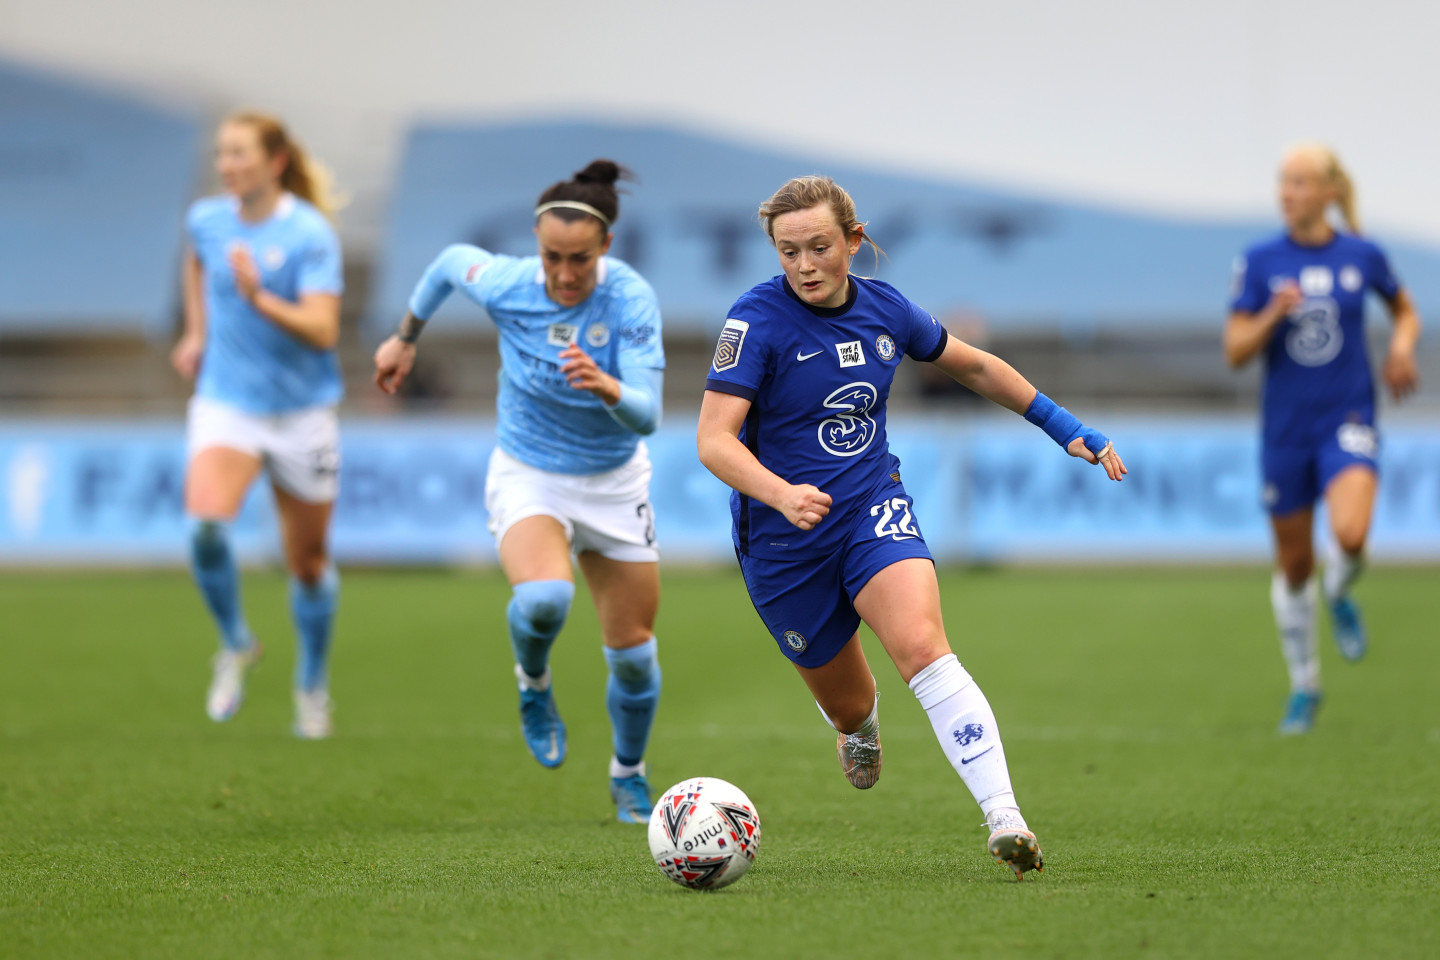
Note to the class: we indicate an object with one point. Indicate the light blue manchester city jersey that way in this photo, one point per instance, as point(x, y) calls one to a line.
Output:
point(543, 421)
point(250, 362)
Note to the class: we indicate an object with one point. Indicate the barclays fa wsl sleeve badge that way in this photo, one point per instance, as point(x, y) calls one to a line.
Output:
point(732, 340)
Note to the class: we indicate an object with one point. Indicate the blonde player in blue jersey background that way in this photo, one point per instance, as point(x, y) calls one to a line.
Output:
point(793, 420)
point(580, 382)
point(1299, 299)
point(262, 280)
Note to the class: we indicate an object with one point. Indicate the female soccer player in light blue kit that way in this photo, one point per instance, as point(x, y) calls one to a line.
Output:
point(580, 383)
point(262, 315)
point(793, 421)
point(1299, 299)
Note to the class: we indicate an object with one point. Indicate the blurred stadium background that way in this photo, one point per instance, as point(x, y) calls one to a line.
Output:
point(1071, 198)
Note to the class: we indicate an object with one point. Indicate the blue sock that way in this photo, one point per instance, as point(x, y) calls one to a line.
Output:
point(631, 695)
point(313, 609)
point(213, 564)
point(536, 613)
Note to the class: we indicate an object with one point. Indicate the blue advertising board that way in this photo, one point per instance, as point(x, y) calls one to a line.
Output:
point(986, 489)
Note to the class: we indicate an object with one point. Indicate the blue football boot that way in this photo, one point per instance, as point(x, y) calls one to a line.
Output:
point(632, 798)
point(1300, 713)
point(1348, 628)
point(541, 725)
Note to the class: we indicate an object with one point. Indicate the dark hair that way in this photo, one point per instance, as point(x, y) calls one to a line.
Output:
point(595, 186)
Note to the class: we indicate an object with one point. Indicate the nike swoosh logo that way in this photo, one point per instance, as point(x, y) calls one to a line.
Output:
point(802, 357)
point(965, 760)
point(554, 753)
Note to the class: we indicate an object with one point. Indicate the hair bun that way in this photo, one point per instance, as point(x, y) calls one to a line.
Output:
point(602, 171)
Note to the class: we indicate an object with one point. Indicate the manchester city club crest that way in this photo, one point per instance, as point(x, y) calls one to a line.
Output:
point(796, 642)
point(885, 346)
point(598, 335)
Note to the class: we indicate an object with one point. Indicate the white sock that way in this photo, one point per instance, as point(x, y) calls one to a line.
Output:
point(1295, 619)
point(1341, 573)
point(965, 726)
point(869, 727)
point(527, 682)
point(619, 770)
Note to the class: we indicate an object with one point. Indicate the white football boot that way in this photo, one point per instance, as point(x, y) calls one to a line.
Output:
point(312, 714)
point(227, 686)
point(1012, 844)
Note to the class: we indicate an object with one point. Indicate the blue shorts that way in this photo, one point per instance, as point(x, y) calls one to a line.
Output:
point(1296, 476)
point(808, 605)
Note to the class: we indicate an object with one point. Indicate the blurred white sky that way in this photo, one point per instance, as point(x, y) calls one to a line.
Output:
point(1176, 107)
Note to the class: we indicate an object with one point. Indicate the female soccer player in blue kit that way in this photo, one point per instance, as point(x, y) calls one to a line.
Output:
point(793, 421)
point(1299, 299)
point(580, 382)
point(262, 315)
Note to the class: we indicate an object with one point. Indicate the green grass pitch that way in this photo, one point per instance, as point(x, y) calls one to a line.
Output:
point(1138, 709)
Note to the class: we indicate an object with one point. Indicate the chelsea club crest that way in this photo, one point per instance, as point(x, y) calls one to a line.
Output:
point(885, 346)
point(796, 642)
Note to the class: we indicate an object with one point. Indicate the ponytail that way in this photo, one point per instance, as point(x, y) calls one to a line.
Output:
point(1345, 196)
point(303, 175)
point(1330, 168)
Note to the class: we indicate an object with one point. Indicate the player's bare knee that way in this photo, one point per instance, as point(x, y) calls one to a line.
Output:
point(1350, 537)
point(1297, 568)
point(309, 568)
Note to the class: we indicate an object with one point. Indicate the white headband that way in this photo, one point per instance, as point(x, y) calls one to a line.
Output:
point(572, 205)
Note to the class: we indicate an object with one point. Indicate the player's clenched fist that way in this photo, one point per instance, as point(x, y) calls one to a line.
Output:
point(393, 362)
point(805, 505)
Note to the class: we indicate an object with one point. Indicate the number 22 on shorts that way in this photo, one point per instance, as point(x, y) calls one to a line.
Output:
point(887, 526)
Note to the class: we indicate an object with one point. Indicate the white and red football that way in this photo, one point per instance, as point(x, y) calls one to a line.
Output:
point(704, 833)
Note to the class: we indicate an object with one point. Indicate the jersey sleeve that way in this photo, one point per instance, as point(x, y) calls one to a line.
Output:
point(1248, 290)
point(640, 345)
point(459, 266)
point(926, 337)
point(1380, 276)
point(320, 265)
point(742, 357)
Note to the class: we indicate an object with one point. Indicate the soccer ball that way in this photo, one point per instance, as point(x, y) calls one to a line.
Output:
point(704, 833)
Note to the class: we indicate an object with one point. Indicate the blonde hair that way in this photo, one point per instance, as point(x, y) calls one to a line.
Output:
point(303, 175)
point(1339, 178)
point(802, 193)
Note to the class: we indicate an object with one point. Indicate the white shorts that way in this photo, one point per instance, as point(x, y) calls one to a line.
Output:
point(607, 513)
point(300, 449)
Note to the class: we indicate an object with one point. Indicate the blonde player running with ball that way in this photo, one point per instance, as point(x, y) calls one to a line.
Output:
point(793, 421)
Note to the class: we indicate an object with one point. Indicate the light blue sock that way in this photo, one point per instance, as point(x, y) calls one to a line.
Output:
point(631, 695)
point(536, 613)
point(213, 564)
point(313, 610)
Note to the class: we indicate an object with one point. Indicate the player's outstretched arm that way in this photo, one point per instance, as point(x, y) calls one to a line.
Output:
point(1401, 373)
point(1246, 334)
point(1000, 383)
point(456, 265)
point(720, 449)
point(185, 358)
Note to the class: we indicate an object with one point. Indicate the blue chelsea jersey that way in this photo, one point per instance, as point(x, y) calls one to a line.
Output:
point(543, 421)
point(250, 362)
point(1317, 370)
point(818, 380)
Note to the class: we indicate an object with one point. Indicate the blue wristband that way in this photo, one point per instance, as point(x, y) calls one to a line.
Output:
point(1059, 424)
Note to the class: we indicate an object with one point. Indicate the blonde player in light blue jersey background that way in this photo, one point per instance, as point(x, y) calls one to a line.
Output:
point(262, 282)
point(580, 382)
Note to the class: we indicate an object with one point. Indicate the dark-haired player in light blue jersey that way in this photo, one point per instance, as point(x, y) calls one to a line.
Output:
point(794, 421)
point(1299, 299)
point(262, 315)
point(580, 382)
